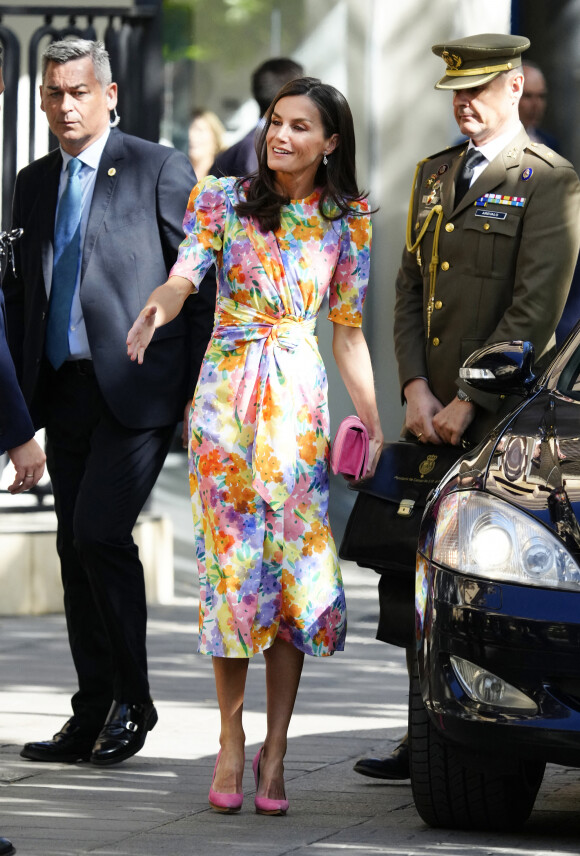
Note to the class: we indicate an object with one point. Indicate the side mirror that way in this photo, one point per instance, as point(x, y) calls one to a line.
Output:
point(504, 367)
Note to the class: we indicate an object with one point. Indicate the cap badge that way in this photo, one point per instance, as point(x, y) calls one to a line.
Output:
point(452, 60)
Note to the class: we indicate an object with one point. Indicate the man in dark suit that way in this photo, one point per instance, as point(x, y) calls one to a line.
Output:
point(492, 239)
point(102, 222)
point(240, 159)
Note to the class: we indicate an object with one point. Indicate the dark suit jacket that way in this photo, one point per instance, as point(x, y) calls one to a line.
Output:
point(133, 232)
point(15, 423)
point(240, 159)
point(547, 139)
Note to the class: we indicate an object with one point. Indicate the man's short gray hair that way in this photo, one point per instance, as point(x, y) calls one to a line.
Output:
point(69, 49)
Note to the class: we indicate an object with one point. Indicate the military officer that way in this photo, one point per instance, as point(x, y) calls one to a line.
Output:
point(492, 240)
point(494, 264)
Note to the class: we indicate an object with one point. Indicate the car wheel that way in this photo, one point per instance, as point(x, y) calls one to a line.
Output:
point(459, 791)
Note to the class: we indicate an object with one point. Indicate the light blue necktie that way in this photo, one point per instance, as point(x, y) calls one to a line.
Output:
point(67, 244)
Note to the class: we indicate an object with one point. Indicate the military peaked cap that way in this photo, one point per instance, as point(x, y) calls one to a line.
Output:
point(476, 60)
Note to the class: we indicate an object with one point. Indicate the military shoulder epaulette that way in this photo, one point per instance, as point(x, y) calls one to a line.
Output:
point(446, 151)
point(546, 154)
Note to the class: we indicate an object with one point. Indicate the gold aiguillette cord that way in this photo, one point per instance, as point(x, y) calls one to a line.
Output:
point(437, 211)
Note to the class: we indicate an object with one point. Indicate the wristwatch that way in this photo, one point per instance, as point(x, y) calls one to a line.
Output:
point(463, 396)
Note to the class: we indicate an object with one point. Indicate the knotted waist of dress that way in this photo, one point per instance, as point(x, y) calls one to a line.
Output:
point(274, 452)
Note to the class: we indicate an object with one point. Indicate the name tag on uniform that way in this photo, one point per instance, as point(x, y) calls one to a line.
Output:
point(491, 215)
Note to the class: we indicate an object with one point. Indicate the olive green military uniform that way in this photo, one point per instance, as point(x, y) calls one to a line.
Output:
point(502, 264)
point(497, 266)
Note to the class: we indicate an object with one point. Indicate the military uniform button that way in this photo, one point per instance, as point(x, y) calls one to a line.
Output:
point(438, 304)
point(444, 265)
point(486, 226)
point(449, 227)
point(436, 342)
point(550, 154)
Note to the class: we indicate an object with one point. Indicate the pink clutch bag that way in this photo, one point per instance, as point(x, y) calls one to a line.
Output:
point(350, 451)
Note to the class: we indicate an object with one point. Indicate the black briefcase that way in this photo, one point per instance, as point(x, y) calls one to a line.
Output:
point(383, 526)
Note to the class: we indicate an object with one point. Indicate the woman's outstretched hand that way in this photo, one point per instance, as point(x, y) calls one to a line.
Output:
point(141, 334)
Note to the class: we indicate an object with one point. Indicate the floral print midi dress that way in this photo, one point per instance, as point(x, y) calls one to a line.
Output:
point(259, 426)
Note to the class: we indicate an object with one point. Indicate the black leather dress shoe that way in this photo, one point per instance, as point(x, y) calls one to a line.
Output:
point(6, 847)
point(124, 732)
point(72, 743)
point(394, 766)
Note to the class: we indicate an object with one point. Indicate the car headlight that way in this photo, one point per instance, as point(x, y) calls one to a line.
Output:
point(484, 536)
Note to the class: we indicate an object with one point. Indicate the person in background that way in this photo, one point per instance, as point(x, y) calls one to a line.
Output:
point(532, 106)
point(270, 580)
point(102, 218)
point(205, 138)
point(532, 109)
point(492, 239)
point(241, 159)
point(16, 428)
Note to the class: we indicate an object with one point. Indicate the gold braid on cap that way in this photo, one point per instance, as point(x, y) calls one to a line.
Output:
point(437, 210)
point(471, 72)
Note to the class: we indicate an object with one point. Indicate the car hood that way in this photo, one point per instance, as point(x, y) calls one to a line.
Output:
point(533, 460)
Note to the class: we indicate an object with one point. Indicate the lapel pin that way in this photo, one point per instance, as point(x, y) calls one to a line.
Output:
point(112, 171)
point(527, 173)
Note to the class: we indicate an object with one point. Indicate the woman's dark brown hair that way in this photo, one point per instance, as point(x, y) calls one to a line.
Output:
point(337, 179)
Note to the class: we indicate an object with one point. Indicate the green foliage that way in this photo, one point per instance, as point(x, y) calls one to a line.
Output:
point(231, 31)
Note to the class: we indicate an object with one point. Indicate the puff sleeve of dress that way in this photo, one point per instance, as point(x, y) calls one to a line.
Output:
point(203, 225)
point(349, 283)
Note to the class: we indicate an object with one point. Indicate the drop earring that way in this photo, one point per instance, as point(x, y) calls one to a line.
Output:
point(115, 120)
point(324, 159)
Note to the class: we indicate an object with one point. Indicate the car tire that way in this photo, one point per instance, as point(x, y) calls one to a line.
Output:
point(451, 792)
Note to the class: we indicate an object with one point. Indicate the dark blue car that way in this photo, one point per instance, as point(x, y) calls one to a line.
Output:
point(496, 690)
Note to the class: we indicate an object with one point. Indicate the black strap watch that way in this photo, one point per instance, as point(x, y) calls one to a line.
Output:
point(463, 396)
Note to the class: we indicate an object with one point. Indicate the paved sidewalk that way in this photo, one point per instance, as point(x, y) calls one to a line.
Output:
point(156, 803)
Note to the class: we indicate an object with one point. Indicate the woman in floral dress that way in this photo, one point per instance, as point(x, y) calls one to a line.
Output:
point(259, 430)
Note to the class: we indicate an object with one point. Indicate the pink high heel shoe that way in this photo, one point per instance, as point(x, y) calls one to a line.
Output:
point(226, 803)
point(264, 805)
